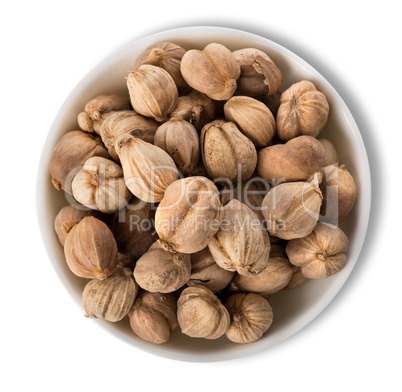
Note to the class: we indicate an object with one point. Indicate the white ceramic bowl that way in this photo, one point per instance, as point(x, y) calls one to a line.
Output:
point(293, 309)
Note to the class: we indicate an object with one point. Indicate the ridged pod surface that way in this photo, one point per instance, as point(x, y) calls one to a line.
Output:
point(189, 215)
point(153, 316)
point(227, 154)
point(296, 160)
point(201, 314)
point(303, 111)
point(161, 271)
point(241, 244)
point(98, 109)
point(212, 71)
point(180, 140)
point(250, 317)
point(292, 209)
point(100, 185)
point(259, 74)
point(112, 298)
point(166, 55)
point(71, 152)
point(322, 253)
point(148, 170)
point(90, 249)
point(253, 119)
point(153, 92)
point(274, 277)
point(130, 122)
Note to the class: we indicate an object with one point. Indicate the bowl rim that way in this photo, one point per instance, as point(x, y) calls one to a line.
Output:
point(365, 184)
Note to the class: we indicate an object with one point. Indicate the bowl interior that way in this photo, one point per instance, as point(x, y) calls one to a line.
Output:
point(293, 309)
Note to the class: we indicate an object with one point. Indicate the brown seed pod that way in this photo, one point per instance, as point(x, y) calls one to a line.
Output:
point(201, 314)
point(274, 277)
point(250, 317)
point(153, 316)
point(111, 298)
point(166, 55)
point(296, 160)
point(148, 170)
point(322, 253)
point(297, 279)
point(161, 271)
point(205, 272)
point(212, 71)
point(134, 228)
point(70, 153)
point(339, 193)
point(196, 108)
point(292, 209)
point(252, 118)
point(98, 109)
point(180, 140)
point(227, 154)
point(100, 185)
point(126, 121)
point(331, 156)
point(241, 244)
point(90, 249)
point(69, 216)
point(303, 111)
point(189, 215)
point(259, 75)
point(153, 92)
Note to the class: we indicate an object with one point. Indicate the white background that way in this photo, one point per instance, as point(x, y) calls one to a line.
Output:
point(46, 344)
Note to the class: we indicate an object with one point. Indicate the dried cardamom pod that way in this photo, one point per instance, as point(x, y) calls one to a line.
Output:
point(296, 160)
point(292, 209)
point(274, 277)
point(241, 244)
point(250, 317)
point(303, 111)
point(213, 71)
point(70, 153)
point(196, 108)
point(153, 316)
point(153, 92)
point(148, 170)
point(126, 121)
point(189, 215)
point(90, 249)
point(201, 314)
point(134, 228)
point(339, 193)
point(100, 185)
point(180, 140)
point(205, 272)
point(252, 118)
point(166, 55)
point(111, 298)
point(259, 75)
point(97, 110)
point(161, 271)
point(227, 154)
point(69, 216)
point(322, 253)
